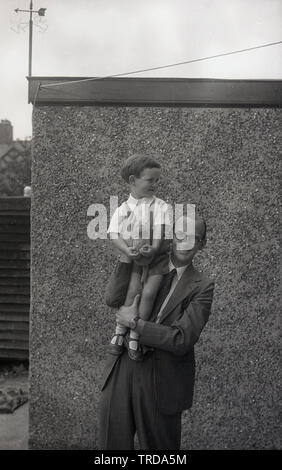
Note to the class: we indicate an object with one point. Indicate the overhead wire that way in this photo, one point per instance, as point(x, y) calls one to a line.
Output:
point(185, 62)
point(239, 51)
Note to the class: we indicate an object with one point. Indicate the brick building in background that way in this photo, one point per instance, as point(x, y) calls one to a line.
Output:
point(15, 162)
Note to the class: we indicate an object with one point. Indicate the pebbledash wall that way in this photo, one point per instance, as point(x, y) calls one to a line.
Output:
point(217, 141)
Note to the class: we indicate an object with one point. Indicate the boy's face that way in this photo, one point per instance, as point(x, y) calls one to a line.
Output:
point(146, 184)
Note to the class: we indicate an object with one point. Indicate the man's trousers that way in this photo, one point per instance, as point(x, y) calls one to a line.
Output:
point(129, 405)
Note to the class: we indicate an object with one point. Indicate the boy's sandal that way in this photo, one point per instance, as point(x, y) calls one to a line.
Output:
point(116, 348)
point(135, 354)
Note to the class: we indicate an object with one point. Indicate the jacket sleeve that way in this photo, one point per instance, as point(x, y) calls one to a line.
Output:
point(183, 333)
point(117, 286)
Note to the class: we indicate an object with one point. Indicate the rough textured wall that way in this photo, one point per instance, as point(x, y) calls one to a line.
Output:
point(226, 162)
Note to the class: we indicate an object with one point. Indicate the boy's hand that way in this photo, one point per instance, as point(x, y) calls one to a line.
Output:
point(147, 250)
point(132, 252)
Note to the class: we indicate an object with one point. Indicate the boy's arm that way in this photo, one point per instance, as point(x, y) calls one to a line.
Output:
point(114, 231)
point(158, 234)
point(120, 244)
point(158, 220)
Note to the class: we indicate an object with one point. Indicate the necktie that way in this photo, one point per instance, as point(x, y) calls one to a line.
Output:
point(164, 290)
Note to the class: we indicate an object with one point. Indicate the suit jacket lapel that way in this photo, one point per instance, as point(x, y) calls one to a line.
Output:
point(182, 290)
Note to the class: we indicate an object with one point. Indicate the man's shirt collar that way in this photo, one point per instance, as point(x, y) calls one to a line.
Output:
point(180, 270)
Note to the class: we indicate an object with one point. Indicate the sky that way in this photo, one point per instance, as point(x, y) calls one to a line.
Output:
point(103, 37)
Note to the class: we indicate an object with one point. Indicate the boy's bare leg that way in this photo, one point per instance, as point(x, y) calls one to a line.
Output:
point(134, 286)
point(116, 293)
point(148, 297)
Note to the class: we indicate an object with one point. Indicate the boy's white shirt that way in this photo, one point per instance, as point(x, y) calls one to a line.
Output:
point(139, 216)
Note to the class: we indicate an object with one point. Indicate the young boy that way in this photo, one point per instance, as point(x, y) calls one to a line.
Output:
point(137, 230)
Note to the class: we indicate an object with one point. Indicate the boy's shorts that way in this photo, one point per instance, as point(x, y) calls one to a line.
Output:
point(117, 286)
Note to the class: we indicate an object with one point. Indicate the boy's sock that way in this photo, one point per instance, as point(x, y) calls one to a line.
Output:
point(120, 330)
point(134, 350)
point(135, 336)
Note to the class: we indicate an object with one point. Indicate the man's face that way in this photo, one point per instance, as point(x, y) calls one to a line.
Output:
point(181, 252)
point(146, 184)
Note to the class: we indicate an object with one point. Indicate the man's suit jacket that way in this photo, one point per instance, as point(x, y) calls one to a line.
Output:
point(173, 340)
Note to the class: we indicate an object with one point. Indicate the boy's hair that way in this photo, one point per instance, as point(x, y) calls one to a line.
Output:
point(135, 164)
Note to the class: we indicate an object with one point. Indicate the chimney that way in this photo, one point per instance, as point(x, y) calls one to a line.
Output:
point(6, 132)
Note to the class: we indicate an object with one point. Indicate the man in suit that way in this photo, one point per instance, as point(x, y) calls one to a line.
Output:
point(148, 397)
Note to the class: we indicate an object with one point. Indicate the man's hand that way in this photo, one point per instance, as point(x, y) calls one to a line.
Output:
point(125, 314)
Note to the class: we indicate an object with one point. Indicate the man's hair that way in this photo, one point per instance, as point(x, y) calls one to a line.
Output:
point(135, 164)
point(204, 234)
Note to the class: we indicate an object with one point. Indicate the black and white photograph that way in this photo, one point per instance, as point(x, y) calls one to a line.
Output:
point(140, 258)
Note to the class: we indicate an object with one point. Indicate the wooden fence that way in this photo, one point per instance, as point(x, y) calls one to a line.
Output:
point(14, 277)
